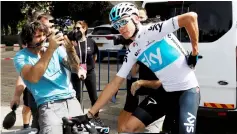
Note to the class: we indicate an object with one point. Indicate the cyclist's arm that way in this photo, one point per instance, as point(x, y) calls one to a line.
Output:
point(134, 70)
point(190, 23)
point(112, 87)
point(154, 84)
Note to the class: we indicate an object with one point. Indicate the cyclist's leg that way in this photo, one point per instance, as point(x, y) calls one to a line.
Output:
point(189, 102)
point(123, 118)
point(148, 111)
point(133, 125)
point(130, 106)
point(26, 112)
point(171, 122)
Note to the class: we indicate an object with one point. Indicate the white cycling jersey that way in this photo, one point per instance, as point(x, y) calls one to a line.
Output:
point(157, 47)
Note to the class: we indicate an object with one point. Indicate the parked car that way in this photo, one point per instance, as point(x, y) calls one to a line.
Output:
point(90, 30)
point(104, 36)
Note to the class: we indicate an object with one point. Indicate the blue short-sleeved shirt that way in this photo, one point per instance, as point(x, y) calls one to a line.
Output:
point(55, 84)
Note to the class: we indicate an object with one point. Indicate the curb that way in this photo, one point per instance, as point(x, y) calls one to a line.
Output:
point(16, 47)
point(7, 58)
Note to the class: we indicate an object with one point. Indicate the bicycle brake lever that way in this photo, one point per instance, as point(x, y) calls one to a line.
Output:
point(67, 121)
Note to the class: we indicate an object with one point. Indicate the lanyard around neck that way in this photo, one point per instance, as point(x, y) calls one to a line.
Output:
point(79, 48)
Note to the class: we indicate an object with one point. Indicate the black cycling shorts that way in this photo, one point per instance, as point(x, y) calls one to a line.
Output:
point(156, 105)
point(28, 99)
point(131, 102)
point(25, 97)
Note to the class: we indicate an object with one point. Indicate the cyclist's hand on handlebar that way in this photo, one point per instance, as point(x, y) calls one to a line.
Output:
point(82, 119)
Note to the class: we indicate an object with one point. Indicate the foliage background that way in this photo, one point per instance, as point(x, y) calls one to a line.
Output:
point(14, 14)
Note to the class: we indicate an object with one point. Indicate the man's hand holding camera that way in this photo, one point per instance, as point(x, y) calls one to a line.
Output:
point(55, 40)
point(68, 44)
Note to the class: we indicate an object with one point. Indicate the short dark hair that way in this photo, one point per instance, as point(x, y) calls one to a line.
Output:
point(37, 15)
point(44, 15)
point(29, 30)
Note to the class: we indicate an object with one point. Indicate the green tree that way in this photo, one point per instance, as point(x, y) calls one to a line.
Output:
point(15, 13)
point(29, 7)
point(11, 14)
point(90, 11)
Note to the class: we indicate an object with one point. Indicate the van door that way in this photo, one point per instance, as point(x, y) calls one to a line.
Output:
point(216, 68)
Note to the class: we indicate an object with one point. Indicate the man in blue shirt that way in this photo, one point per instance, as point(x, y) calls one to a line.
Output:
point(46, 73)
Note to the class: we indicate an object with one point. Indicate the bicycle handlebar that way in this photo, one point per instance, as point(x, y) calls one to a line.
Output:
point(66, 121)
point(74, 122)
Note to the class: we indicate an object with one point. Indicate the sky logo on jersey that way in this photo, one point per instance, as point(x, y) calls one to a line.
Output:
point(157, 27)
point(126, 55)
point(159, 55)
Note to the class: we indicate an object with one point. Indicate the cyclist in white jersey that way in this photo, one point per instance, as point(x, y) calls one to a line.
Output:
point(156, 47)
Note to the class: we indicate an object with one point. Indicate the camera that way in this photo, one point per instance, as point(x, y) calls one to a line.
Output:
point(63, 24)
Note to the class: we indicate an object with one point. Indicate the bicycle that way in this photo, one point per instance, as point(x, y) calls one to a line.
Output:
point(75, 126)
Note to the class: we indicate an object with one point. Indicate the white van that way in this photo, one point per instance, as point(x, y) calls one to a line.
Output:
point(216, 69)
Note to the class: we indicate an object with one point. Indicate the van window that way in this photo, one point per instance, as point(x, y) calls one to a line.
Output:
point(214, 17)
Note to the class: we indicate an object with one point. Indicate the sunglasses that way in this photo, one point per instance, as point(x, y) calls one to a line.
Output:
point(121, 23)
point(77, 28)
